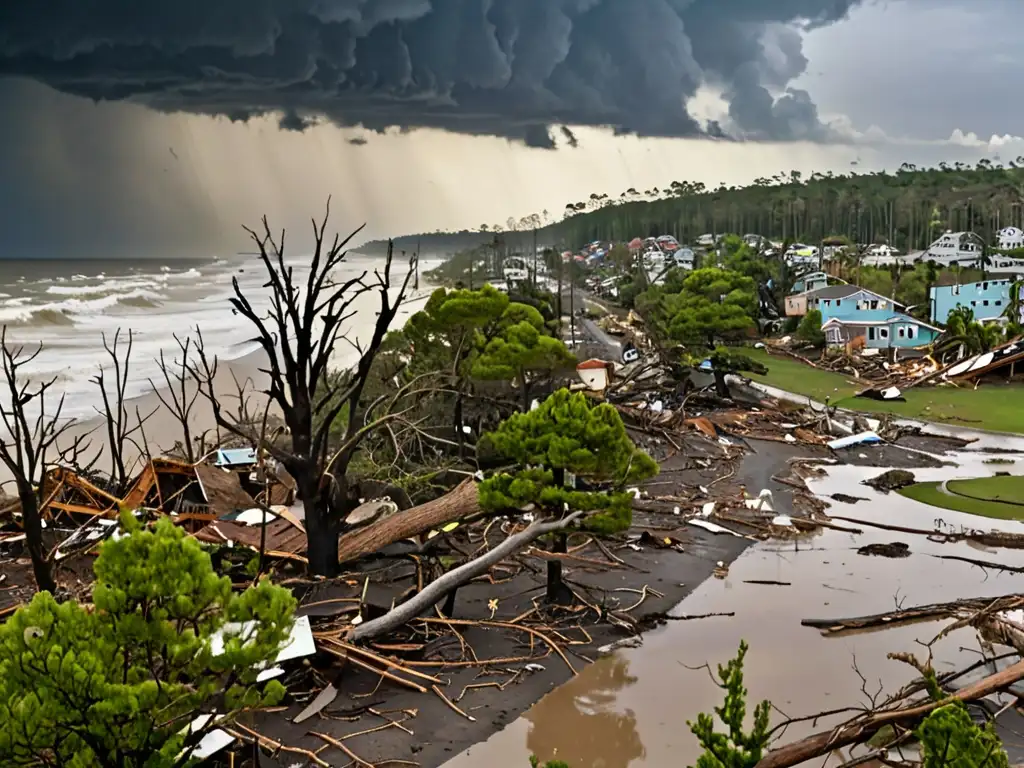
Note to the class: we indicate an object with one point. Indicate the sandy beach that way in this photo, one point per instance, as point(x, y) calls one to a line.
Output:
point(155, 305)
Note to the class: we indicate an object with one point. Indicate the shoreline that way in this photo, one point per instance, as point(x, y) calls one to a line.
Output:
point(162, 429)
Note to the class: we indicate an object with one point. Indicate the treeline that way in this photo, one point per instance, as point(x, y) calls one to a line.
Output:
point(908, 209)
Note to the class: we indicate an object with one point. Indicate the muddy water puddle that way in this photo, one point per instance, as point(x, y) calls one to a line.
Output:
point(630, 708)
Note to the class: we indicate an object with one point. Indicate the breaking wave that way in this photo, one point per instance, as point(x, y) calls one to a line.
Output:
point(18, 313)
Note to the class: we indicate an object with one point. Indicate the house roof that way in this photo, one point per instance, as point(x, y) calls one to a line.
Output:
point(834, 291)
point(890, 321)
point(844, 291)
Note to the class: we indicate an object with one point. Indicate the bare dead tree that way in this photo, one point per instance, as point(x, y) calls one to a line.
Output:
point(180, 395)
point(121, 431)
point(298, 335)
point(33, 432)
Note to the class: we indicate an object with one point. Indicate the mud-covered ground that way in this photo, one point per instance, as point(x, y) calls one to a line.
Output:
point(437, 731)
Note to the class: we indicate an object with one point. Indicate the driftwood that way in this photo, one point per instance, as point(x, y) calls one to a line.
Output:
point(458, 503)
point(985, 538)
point(863, 728)
point(455, 578)
point(918, 613)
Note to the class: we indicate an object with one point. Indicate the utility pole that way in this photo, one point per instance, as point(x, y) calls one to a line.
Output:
point(416, 286)
point(572, 305)
point(535, 257)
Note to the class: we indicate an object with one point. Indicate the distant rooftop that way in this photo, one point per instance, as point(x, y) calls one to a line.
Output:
point(834, 291)
point(233, 457)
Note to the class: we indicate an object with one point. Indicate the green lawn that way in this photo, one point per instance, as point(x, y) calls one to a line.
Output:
point(994, 406)
point(976, 503)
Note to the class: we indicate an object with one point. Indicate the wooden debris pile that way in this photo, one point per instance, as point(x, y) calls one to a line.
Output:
point(889, 724)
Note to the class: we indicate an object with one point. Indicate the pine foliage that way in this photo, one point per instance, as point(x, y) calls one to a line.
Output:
point(116, 684)
point(567, 433)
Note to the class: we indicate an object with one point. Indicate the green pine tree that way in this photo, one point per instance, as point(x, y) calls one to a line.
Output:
point(521, 351)
point(116, 684)
point(737, 748)
point(568, 434)
point(949, 738)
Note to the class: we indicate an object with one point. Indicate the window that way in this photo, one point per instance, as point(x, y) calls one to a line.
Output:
point(984, 286)
point(871, 333)
point(956, 290)
point(902, 332)
point(985, 302)
point(839, 302)
point(874, 304)
point(883, 304)
point(998, 302)
point(883, 333)
point(974, 303)
point(911, 331)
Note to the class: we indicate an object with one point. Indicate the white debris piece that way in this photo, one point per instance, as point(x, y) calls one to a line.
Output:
point(211, 743)
point(707, 525)
point(255, 516)
point(707, 509)
point(763, 502)
point(784, 520)
point(299, 644)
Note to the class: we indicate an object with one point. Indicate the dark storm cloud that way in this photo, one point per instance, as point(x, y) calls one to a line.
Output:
point(501, 67)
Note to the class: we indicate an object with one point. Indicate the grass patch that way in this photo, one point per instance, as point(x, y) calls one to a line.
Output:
point(993, 406)
point(931, 493)
point(1008, 488)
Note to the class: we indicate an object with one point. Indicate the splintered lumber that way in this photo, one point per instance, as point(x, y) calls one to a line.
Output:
point(918, 613)
point(863, 728)
point(455, 578)
point(458, 503)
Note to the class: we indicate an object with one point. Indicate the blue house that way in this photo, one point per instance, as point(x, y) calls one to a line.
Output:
point(897, 330)
point(987, 299)
point(847, 302)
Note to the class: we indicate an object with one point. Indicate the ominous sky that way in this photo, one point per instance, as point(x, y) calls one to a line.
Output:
point(155, 129)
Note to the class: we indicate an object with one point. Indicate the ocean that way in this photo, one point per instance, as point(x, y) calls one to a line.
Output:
point(68, 307)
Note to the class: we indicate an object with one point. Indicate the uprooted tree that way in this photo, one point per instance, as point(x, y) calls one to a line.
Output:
point(118, 683)
point(31, 444)
point(573, 456)
point(298, 334)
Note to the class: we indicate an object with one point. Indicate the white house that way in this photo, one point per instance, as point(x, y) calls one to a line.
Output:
point(1010, 238)
point(963, 248)
point(798, 253)
point(881, 249)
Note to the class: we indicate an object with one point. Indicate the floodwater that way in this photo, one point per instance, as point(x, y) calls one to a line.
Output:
point(630, 708)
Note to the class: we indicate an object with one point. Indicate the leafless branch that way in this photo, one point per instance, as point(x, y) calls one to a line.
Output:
point(114, 411)
point(180, 395)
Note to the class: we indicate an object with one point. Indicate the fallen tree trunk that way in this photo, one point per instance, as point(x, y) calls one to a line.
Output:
point(458, 503)
point(455, 578)
point(988, 539)
point(858, 730)
point(917, 613)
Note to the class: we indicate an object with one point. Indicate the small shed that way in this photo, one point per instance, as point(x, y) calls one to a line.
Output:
point(596, 374)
